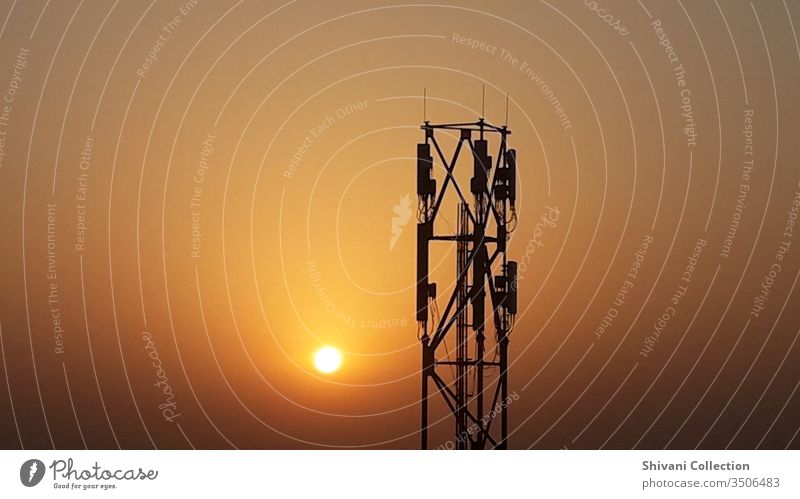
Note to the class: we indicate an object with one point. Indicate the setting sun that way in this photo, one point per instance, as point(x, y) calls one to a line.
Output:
point(327, 359)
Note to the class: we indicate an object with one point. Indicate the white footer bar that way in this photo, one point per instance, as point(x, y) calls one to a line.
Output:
point(378, 474)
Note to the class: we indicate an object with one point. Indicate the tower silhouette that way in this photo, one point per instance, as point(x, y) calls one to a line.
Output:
point(474, 384)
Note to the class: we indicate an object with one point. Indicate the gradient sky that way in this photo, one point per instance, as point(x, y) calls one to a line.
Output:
point(284, 134)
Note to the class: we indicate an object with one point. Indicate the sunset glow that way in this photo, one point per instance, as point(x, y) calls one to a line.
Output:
point(327, 360)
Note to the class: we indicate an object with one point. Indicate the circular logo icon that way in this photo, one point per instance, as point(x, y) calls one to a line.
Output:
point(31, 472)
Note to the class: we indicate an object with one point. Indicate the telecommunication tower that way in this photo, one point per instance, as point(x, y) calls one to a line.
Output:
point(473, 384)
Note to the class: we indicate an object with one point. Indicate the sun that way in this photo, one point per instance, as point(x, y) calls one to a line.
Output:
point(327, 359)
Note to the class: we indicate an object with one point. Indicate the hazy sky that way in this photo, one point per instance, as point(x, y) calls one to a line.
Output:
point(198, 195)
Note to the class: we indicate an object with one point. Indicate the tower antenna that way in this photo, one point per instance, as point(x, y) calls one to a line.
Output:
point(483, 101)
point(425, 105)
point(506, 108)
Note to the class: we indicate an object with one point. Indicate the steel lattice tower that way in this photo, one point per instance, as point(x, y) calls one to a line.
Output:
point(479, 372)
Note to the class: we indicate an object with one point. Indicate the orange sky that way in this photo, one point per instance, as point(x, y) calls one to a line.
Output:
point(236, 198)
